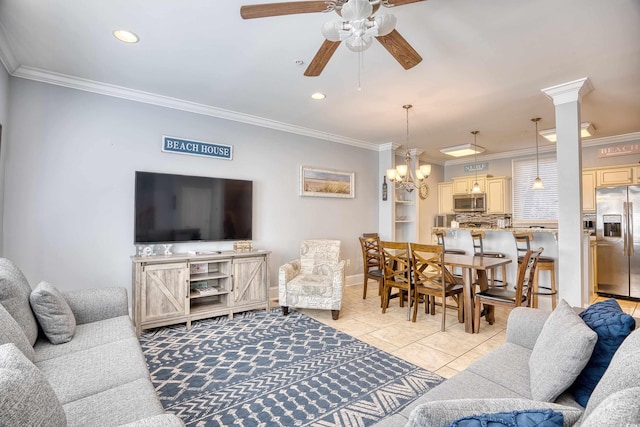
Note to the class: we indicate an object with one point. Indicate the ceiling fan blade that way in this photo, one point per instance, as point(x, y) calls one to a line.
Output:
point(278, 9)
point(400, 49)
point(402, 2)
point(321, 59)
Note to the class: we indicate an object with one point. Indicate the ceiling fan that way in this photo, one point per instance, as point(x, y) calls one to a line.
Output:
point(357, 28)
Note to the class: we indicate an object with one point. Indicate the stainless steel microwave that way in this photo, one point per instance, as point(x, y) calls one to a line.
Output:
point(470, 202)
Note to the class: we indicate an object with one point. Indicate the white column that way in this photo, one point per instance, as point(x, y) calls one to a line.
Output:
point(386, 160)
point(571, 257)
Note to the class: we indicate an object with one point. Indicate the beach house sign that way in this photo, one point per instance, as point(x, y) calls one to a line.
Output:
point(172, 144)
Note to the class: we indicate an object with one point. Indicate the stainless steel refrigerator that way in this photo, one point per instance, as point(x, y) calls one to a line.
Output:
point(618, 216)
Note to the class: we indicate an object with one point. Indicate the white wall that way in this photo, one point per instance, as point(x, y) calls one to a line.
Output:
point(71, 158)
point(4, 115)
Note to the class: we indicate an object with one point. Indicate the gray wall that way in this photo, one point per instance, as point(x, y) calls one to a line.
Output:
point(70, 162)
point(4, 114)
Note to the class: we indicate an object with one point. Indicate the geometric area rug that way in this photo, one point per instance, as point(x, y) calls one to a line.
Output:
point(265, 369)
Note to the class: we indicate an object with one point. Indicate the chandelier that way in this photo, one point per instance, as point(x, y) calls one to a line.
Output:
point(358, 28)
point(402, 175)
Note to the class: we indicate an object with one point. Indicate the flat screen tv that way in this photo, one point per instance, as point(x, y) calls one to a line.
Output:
point(181, 208)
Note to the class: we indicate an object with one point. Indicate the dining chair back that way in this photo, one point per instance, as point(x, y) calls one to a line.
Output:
point(520, 296)
point(432, 279)
point(477, 237)
point(397, 271)
point(440, 235)
point(523, 244)
point(372, 259)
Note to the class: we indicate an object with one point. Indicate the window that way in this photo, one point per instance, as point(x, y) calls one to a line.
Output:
point(530, 205)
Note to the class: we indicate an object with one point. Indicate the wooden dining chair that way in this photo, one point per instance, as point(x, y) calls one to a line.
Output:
point(372, 260)
point(523, 244)
point(432, 279)
point(477, 237)
point(520, 296)
point(397, 271)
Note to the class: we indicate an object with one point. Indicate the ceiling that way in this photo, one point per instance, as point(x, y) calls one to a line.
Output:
point(484, 65)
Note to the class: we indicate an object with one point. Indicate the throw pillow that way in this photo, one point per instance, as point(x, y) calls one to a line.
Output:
point(11, 332)
point(612, 325)
point(14, 296)
point(528, 418)
point(26, 398)
point(562, 350)
point(53, 313)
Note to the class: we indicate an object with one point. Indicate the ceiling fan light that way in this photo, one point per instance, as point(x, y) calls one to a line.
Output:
point(331, 30)
point(386, 23)
point(359, 43)
point(355, 10)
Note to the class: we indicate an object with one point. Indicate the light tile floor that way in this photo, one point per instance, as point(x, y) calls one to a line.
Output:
point(421, 343)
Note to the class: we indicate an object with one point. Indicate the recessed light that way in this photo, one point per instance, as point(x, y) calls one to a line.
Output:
point(125, 36)
point(318, 95)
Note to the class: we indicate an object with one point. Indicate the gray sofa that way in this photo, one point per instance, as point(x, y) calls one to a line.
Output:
point(98, 378)
point(500, 381)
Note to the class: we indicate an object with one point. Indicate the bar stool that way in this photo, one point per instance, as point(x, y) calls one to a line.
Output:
point(440, 235)
point(478, 248)
point(523, 244)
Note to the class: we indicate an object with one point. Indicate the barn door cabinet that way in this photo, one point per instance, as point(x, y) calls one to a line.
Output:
point(182, 288)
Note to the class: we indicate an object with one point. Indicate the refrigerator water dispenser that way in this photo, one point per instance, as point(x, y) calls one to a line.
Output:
point(612, 225)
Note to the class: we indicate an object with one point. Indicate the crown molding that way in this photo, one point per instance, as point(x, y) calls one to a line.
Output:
point(6, 55)
point(182, 105)
point(594, 142)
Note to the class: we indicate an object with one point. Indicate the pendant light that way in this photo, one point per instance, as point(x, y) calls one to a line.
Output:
point(476, 187)
point(537, 183)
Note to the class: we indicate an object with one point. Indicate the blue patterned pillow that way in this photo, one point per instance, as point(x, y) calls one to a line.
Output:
point(528, 418)
point(612, 326)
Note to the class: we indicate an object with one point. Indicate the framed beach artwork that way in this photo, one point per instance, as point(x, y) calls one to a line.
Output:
point(317, 182)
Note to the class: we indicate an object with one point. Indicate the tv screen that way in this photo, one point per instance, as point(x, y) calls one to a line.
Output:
point(180, 208)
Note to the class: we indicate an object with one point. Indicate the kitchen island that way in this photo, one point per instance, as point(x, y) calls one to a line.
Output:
point(502, 240)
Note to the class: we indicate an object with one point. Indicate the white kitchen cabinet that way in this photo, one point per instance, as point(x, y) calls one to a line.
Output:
point(589, 179)
point(445, 197)
point(615, 176)
point(463, 185)
point(498, 195)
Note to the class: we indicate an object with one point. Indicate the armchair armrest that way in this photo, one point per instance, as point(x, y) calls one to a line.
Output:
point(288, 271)
point(443, 412)
point(524, 326)
point(92, 305)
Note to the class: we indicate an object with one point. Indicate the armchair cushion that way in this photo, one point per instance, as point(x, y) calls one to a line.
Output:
point(561, 352)
point(53, 313)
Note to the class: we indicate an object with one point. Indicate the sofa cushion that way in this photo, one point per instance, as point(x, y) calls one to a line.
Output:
point(619, 409)
point(53, 313)
point(118, 405)
point(524, 418)
point(87, 336)
point(83, 373)
point(562, 350)
point(507, 366)
point(623, 372)
point(14, 296)
point(11, 332)
point(612, 325)
point(26, 398)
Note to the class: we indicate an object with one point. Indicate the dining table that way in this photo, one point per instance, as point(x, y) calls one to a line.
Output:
point(468, 264)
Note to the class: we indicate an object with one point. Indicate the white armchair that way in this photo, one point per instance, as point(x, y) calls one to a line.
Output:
point(315, 280)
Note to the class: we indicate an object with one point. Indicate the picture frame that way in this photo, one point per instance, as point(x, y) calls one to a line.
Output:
point(321, 182)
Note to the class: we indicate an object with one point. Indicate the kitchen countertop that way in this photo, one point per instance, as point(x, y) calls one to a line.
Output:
point(510, 229)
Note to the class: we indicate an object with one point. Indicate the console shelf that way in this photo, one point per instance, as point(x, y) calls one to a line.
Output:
point(182, 288)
